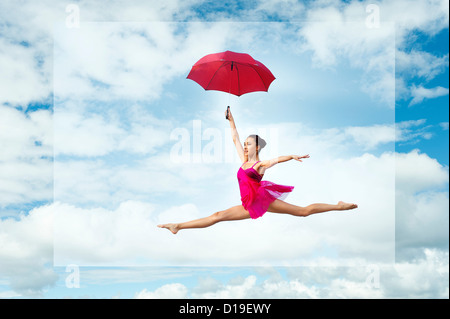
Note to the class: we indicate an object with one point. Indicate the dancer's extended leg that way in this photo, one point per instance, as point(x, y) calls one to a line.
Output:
point(233, 213)
point(279, 206)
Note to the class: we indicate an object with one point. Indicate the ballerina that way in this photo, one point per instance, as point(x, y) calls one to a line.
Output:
point(257, 196)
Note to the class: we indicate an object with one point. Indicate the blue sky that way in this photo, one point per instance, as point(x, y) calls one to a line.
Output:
point(434, 111)
point(90, 143)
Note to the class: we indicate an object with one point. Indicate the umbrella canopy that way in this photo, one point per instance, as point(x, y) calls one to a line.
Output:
point(231, 72)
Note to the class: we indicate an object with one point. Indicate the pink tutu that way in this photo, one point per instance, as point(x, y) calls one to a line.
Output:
point(257, 195)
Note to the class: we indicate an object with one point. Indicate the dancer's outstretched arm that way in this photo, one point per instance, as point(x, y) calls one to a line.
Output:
point(235, 136)
point(269, 163)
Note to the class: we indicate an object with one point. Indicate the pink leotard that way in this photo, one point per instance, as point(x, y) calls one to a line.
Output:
point(257, 195)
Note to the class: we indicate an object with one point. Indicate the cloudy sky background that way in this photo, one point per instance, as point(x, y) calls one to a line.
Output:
point(92, 118)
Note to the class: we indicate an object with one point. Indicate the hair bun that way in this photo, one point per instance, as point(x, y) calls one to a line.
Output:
point(259, 140)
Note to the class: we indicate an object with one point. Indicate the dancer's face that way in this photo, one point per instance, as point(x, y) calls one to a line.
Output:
point(249, 147)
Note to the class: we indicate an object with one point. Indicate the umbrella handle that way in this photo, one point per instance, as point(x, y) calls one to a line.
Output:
point(228, 110)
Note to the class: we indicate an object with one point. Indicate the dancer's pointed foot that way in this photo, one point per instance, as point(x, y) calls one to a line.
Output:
point(346, 206)
point(172, 227)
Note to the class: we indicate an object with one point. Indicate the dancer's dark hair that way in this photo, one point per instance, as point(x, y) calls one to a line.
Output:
point(259, 141)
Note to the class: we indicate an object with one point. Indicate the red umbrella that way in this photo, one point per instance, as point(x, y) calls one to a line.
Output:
point(231, 72)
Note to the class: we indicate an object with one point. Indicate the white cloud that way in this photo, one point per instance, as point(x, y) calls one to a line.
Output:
point(285, 9)
point(412, 131)
point(371, 137)
point(336, 33)
point(327, 176)
point(89, 136)
point(421, 204)
point(360, 179)
point(99, 183)
point(26, 44)
point(26, 167)
point(375, 136)
point(405, 190)
point(25, 136)
point(424, 278)
point(420, 63)
point(444, 126)
point(27, 250)
point(354, 139)
point(22, 78)
point(419, 93)
point(239, 288)
point(169, 291)
point(422, 222)
point(417, 172)
point(428, 16)
point(26, 171)
point(82, 133)
point(125, 236)
point(109, 61)
point(330, 35)
point(107, 236)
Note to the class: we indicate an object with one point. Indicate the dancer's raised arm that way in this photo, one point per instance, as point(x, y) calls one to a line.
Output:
point(235, 136)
